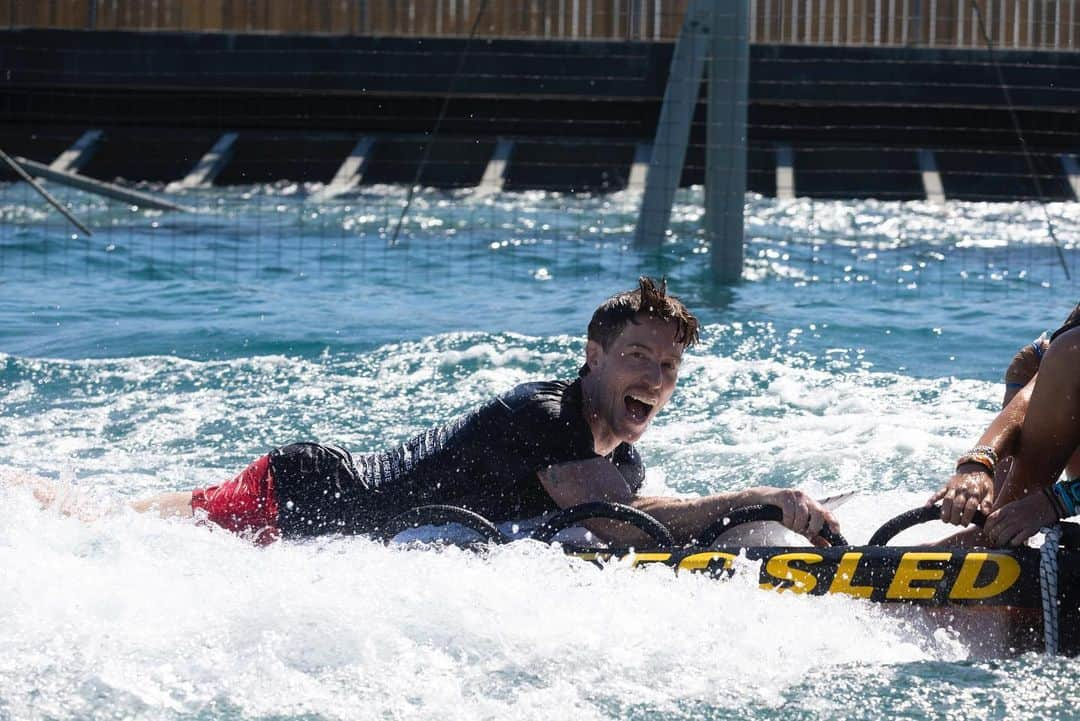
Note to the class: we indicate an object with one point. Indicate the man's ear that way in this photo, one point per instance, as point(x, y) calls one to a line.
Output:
point(594, 352)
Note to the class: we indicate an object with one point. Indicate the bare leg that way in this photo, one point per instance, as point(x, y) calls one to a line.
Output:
point(1051, 430)
point(1048, 438)
point(53, 494)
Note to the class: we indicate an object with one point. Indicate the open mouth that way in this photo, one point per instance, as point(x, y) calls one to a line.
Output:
point(637, 409)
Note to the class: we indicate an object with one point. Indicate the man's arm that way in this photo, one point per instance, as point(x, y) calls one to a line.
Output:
point(597, 479)
point(1051, 434)
point(971, 487)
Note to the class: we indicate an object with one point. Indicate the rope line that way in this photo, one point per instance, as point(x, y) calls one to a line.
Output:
point(1048, 586)
point(438, 122)
point(1020, 136)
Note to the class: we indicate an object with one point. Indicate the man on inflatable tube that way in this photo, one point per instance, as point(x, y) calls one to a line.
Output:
point(539, 448)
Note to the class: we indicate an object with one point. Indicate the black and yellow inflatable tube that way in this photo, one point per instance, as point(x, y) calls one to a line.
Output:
point(921, 575)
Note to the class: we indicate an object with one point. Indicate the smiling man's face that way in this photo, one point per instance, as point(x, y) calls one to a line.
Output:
point(630, 381)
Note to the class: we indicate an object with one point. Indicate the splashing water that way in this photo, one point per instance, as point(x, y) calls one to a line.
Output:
point(154, 368)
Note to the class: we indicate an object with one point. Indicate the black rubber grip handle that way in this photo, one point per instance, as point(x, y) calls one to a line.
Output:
point(574, 515)
point(763, 512)
point(438, 515)
point(914, 517)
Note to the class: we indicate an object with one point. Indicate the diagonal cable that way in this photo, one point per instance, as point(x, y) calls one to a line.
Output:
point(438, 122)
point(1020, 136)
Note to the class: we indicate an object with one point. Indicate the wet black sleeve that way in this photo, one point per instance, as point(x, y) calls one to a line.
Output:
point(556, 433)
point(628, 461)
point(549, 433)
point(1071, 322)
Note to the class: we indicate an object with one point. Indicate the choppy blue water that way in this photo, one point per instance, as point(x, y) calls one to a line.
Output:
point(863, 351)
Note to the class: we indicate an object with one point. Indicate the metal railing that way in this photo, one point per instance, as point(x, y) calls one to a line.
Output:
point(1011, 24)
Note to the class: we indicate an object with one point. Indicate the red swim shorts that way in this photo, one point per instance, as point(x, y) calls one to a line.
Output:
point(245, 505)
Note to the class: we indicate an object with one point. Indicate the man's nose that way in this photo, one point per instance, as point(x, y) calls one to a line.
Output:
point(654, 375)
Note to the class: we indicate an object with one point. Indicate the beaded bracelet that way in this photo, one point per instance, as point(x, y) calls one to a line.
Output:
point(985, 451)
point(985, 456)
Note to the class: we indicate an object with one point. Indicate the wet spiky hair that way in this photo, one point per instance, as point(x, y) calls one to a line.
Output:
point(648, 300)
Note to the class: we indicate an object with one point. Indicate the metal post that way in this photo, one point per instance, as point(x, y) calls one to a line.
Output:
point(209, 166)
point(673, 127)
point(495, 172)
point(931, 178)
point(725, 154)
point(785, 173)
point(74, 158)
point(1072, 170)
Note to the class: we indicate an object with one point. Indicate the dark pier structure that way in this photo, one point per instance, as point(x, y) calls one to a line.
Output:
point(845, 101)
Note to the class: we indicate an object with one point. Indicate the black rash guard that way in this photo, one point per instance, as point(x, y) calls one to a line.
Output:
point(1071, 322)
point(486, 462)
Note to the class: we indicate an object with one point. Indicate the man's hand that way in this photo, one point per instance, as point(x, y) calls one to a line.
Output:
point(802, 513)
point(970, 489)
point(1013, 524)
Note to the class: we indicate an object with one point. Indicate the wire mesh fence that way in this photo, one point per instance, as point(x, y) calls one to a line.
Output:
point(912, 167)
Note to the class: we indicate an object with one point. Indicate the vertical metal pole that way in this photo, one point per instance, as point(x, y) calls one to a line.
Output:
point(673, 127)
point(960, 25)
point(91, 16)
point(1016, 24)
point(1042, 26)
point(1057, 25)
point(1031, 23)
point(725, 152)
point(933, 24)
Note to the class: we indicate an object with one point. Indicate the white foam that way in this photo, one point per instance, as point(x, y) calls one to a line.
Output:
point(150, 618)
point(146, 617)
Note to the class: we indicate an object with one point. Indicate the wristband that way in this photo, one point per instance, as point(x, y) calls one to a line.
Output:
point(985, 451)
point(1069, 494)
point(985, 456)
point(982, 461)
point(1055, 502)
